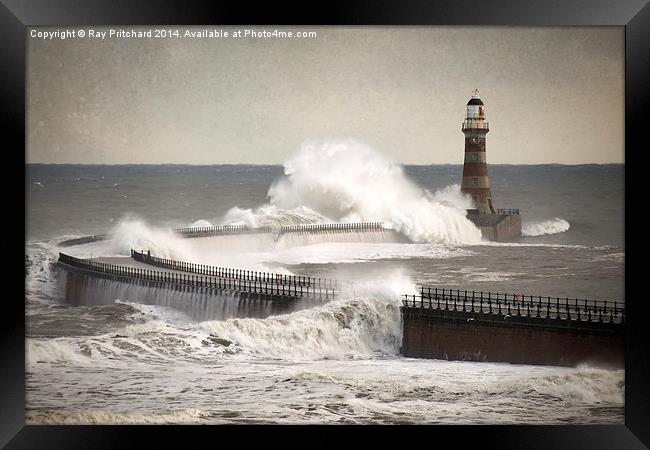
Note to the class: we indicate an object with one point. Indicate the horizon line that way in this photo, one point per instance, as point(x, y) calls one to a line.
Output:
point(281, 164)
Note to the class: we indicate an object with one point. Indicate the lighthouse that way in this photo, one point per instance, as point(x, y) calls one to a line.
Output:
point(495, 224)
point(475, 182)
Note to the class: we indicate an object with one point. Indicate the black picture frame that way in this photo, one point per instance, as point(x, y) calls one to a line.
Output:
point(634, 15)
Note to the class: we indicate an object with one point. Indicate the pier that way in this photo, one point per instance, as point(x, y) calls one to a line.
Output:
point(229, 230)
point(455, 324)
point(201, 276)
point(279, 230)
point(204, 292)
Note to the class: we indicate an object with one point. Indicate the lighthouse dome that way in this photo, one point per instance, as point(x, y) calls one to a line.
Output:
point(475, 108)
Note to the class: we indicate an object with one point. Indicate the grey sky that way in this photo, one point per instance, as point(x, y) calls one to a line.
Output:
point(552, 95)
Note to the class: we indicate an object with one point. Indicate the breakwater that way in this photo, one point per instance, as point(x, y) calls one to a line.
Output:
point(520, 329)
point(229, 230)
point(204, 292)
point(504, 225)
point(278, 230)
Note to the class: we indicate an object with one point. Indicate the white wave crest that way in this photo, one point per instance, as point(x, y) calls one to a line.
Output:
point(341, 329)
point(132, 233)
point(588, 385)
point(272, 215)
point(366, 321)
point(553, 226)
point(200, 224)
point(347, 181)
point(54, 351)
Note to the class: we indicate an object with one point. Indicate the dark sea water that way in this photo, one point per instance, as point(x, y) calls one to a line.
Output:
point(127, 362)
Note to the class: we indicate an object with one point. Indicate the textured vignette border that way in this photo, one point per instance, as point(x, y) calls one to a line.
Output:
point(633, 14)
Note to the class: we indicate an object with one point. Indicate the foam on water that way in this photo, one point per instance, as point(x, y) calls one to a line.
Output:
point(200, 224)
point(339, 253)
point(133, 233)
point(384, 389)
point(54, 351)
point(271, 214)
point(365, 321)
point(552, 226)
point(184, 416)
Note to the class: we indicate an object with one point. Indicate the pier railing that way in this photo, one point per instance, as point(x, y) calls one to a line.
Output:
point(519, 305)
point(224, 230)
point(508, 211)
point(501, 212)
point(307, 228)
point(254, 286)
point(238, 274)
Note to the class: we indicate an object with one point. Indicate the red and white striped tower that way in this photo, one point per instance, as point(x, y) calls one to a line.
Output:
point(475, 174)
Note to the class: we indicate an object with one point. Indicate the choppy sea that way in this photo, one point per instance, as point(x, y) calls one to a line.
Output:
point(124, 361)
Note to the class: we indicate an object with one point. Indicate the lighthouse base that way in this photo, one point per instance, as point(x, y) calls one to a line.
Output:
point(499, 227)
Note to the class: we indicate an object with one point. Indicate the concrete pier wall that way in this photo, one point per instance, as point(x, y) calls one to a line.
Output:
point(80, 287)
point(498, 227)
point(455, 335)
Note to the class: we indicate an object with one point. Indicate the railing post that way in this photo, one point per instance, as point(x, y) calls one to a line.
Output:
point(568, 313)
